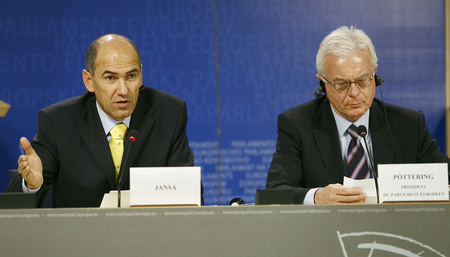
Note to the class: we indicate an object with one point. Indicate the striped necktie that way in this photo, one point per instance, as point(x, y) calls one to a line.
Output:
point(357, 167)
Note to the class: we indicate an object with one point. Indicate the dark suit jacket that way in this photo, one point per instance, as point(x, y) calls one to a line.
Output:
point(308, 153)
point(74, 149)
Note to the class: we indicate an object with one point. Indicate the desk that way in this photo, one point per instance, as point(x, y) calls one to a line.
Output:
point(287, 230)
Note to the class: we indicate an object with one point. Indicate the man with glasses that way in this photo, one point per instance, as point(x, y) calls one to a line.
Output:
point(314, 148)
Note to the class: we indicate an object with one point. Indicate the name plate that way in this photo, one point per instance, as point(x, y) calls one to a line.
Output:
point(165, 186)
point(413, 182)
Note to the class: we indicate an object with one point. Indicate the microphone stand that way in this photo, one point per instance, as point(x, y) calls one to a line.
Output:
point(131, 139)
point(362, 131)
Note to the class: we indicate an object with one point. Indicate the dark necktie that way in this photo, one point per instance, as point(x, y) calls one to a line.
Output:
point(357, 167)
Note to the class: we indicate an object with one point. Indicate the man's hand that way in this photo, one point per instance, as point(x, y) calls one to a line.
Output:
point(337, 194)
point(30, 166)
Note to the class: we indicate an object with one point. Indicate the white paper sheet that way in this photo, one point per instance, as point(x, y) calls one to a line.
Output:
point(367, 186)
point(110, 199)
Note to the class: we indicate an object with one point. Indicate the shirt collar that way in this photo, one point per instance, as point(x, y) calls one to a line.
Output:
point(342, 124)
point(108, 122)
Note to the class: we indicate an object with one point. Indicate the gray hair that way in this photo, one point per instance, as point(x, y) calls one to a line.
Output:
point(342, 42)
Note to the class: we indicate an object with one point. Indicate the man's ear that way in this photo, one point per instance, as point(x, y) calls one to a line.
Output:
point(319, 78)
point(87, 80)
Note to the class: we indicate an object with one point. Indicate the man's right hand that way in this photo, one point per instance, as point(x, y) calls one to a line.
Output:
point(30, 166)
point(337, 194)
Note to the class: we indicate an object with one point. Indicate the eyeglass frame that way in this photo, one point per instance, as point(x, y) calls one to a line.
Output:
point(350, 85)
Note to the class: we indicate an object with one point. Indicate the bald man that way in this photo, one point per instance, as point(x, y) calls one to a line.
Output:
point(71, 152)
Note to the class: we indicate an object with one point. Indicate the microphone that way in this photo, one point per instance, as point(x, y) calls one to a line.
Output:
point(236, 202)
point(131, 138)
point(362, 132)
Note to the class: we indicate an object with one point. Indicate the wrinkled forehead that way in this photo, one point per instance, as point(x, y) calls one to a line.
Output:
point(116, 55)
point(358, 64)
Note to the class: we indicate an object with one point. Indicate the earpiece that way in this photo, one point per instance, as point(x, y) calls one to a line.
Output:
point(320, 90)
point(378, 80)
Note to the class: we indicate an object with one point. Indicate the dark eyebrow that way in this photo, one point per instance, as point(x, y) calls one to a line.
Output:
point(115, 73)
point(108, 72)
point(133, 71)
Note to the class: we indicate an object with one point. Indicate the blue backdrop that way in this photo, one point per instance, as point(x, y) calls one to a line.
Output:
point(264, 59)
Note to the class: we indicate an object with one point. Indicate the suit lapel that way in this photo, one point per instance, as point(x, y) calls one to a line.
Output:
point(382, 143)
point(94, 137)
point(327, 141)
point(143, 124)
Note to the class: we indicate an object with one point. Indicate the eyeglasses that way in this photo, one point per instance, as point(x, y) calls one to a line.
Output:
point(361, 83)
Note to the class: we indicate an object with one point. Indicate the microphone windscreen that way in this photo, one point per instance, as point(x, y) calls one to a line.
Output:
point(362, 130)
point(133, 133)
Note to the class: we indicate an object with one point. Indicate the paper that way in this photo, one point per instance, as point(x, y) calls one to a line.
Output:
point(110, 200)
point(367, 186)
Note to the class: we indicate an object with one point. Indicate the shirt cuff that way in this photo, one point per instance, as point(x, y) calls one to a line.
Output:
point(25, 189)
point(309, 197)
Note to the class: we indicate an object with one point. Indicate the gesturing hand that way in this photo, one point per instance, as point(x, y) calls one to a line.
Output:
point(30, 166)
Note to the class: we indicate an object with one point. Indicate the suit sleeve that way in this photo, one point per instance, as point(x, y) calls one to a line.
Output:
point(180, 152)
point(428, 151)
point(44, 143)
point(15, 185)
point(285, 171)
